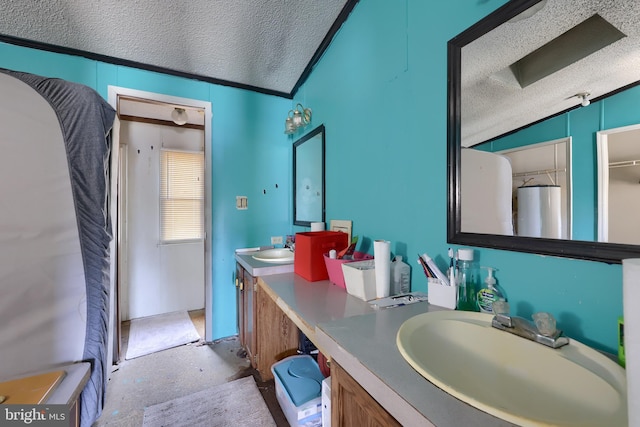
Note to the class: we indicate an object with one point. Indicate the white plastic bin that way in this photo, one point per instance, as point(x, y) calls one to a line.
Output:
point(299, 390)
point(360, 278)
point(326, 402)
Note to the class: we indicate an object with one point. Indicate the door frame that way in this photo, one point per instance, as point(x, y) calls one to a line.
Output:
point(113, 93)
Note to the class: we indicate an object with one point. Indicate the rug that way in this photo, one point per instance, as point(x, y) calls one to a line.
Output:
point(156, 333)
point(236, 403)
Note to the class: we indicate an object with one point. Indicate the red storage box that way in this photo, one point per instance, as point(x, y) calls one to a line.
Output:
point(334, 267)
point(308, 261)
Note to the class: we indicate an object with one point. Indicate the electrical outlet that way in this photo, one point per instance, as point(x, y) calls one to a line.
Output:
point(241, 203)
point(276, 240)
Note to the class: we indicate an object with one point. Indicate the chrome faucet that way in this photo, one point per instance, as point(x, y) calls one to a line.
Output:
point(290, 244)
point(543, 331)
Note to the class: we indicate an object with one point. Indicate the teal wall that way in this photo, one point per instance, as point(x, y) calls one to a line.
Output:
point(582, 124)
point(250, 156)
point(380, 90)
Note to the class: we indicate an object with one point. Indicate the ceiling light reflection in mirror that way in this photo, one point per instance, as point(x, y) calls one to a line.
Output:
point(493, 99)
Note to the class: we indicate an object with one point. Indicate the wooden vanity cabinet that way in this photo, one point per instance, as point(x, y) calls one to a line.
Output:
point(240, 301)
point(265, 332)
point(246, 286)
point(277, 335)
point(351, 405)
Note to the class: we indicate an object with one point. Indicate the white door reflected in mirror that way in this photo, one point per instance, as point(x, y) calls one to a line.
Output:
point(619, 184)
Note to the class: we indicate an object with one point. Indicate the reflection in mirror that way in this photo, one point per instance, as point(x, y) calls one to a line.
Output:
point(517, 85)
point(540, 179)
point(308, 178)
point(619, 185)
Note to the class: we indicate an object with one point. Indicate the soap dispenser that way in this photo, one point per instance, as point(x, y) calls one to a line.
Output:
point(490, 293)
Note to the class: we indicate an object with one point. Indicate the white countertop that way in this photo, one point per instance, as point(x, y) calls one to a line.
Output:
point(365, 346)
point(260, 268)
point(315, 302)
point(363, 341)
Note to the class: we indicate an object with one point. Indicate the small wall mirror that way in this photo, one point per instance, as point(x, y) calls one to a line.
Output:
point(558, 75)
point(308, 178)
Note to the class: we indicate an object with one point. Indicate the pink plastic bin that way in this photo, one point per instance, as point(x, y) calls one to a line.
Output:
point(334, 267)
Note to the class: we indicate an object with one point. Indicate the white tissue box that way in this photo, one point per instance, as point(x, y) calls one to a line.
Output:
point(442, 295)
point(360, 279)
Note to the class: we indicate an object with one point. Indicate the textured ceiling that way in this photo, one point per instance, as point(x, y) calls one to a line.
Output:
point(264, 44)
point(493, 103)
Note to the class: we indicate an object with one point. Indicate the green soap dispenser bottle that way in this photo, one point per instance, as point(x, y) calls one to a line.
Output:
point(489, 293)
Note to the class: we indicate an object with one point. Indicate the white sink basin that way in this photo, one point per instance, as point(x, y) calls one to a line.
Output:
point(279, 255)
point(513, 378)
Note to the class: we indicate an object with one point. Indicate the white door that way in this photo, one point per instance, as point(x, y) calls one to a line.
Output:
point(162, 276)
point(618, 184)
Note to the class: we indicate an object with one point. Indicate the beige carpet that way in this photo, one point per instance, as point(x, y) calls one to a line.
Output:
point(236, 403)
point(156, 333)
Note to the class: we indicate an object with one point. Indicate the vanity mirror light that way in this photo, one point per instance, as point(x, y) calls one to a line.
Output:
point(308, 178)
point(520, 77)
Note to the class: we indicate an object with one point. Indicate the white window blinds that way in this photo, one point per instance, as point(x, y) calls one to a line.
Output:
point(181, 196)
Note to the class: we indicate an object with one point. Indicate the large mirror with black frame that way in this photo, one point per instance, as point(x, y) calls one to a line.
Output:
point(308, 178)
point(543, 113)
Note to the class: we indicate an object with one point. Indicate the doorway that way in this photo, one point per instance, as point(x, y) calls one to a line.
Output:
point(172, 275)
point(618, 184)
point(165, 266)
point(545, 163)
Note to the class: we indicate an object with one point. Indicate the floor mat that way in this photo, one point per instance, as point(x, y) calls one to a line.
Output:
point(156, 333)
point(236, 403)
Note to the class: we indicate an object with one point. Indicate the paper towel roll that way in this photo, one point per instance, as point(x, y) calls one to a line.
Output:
point(317, 226)
point(382, 259)
point(630, 298)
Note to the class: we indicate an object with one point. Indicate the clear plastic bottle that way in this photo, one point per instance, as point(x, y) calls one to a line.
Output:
point(400, 276)
point(467, 280)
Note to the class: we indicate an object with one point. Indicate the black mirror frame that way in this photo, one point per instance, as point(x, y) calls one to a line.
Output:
point(319, 130)
point(611, 253)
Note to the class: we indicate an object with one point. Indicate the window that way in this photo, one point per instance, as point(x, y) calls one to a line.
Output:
point(181, 196)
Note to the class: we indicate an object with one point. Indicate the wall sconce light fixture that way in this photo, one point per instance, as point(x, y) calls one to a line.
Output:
point(297, 118)
point(179, 116)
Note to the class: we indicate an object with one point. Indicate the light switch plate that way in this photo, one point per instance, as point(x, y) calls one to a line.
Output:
point(341, 225)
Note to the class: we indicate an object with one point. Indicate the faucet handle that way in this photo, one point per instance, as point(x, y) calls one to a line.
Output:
point(545, 322)
point(503, 319)
point(500, 307)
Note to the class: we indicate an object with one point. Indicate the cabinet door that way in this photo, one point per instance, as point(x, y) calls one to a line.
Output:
point(249, 316)
point(240, 302)
point(277, 335)
point(351, 405)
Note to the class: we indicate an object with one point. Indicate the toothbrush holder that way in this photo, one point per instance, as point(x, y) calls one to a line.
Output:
point(441, 295)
